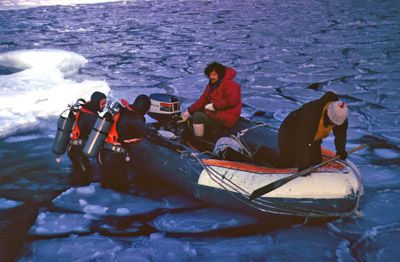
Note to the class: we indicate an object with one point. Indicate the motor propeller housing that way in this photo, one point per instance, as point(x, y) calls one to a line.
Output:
point(164, 107)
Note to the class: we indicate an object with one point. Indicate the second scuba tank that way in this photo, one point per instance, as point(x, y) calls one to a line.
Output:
point(100, 132)
point(64, 129)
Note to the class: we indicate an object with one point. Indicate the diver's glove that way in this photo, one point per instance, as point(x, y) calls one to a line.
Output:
point(209, 107)
point(342, 154)
point(185, 115)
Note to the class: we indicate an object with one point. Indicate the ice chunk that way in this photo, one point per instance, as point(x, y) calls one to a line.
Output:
point(379, 243)
point(95, 209)
point(122, 211)
point(87, 190)
point(47, 58)
point(41, 89)
point(201, 220)
point(380, 176)
point(157, 235)
point(180, 201)
point(386, 153)
point(288, 245)
point(14, 139)
point(270, 103)
point(99, 201)
point(52, 223)
point(73, 248)
point(7, 203)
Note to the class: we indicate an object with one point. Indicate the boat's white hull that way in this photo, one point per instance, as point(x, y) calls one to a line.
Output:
point(331, 191)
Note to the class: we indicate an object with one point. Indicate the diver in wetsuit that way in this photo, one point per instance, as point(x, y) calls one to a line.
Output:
point(126, 132)
point(85, 120)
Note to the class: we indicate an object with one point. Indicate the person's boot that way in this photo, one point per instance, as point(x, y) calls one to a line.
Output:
point(200, 140)
point(198, 130)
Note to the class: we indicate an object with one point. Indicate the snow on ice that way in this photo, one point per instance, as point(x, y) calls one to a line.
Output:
point(41, 87)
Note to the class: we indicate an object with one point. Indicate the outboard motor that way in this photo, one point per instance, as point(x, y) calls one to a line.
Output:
point(100, 131)
point(166, 110)
point(64, 128)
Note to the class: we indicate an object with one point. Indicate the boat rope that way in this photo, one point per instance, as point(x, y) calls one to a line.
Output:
point(239, 137)
point(261, 204)
point(244, 131)
point(243, 145)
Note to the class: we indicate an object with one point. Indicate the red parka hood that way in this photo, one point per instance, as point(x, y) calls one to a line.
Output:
point(230, 73)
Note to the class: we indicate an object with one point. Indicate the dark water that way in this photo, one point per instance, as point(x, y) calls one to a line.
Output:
point(278, 49)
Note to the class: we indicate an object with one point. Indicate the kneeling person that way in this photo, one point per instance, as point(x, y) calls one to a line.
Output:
point(301, 132)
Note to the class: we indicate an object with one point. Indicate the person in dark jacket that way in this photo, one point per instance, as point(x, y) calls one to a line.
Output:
point(127, 131)
point(301, 132)
point(220, 104)
point(85, 120)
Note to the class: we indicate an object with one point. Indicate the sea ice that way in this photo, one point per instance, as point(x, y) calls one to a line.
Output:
point(99, 201)
point(95, 209)
point(387, 153)
point(87, 190)
point(181, 201)
point(53, 223)
point(201, 220)
point(8, 203)
point(41, 89)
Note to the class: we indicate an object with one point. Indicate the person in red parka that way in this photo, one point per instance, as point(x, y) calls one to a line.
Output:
point(220, 105)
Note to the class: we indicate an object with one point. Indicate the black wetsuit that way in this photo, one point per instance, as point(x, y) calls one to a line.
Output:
point(82, 169)
point(114, 165)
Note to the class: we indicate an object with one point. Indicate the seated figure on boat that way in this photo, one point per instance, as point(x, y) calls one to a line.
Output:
point(301, 132)
point(220, 105)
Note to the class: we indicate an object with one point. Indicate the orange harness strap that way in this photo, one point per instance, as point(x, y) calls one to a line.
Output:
point(76, 132)
point(112, 137)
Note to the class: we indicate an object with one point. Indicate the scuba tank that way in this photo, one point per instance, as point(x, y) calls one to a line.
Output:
point(100, 131)
point(64, 128)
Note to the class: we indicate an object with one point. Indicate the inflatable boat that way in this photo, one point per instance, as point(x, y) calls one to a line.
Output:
point(227, 169)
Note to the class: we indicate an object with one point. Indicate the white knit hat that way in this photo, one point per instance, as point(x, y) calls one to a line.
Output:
point(337, 112)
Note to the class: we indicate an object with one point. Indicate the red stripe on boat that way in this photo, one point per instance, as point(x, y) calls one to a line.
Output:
point(247, 167)
point(259, 169)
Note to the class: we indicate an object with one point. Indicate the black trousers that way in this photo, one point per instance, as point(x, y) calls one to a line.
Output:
point(113, 170)
point(199, 117)
point(212, 128)
point(82, 171)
